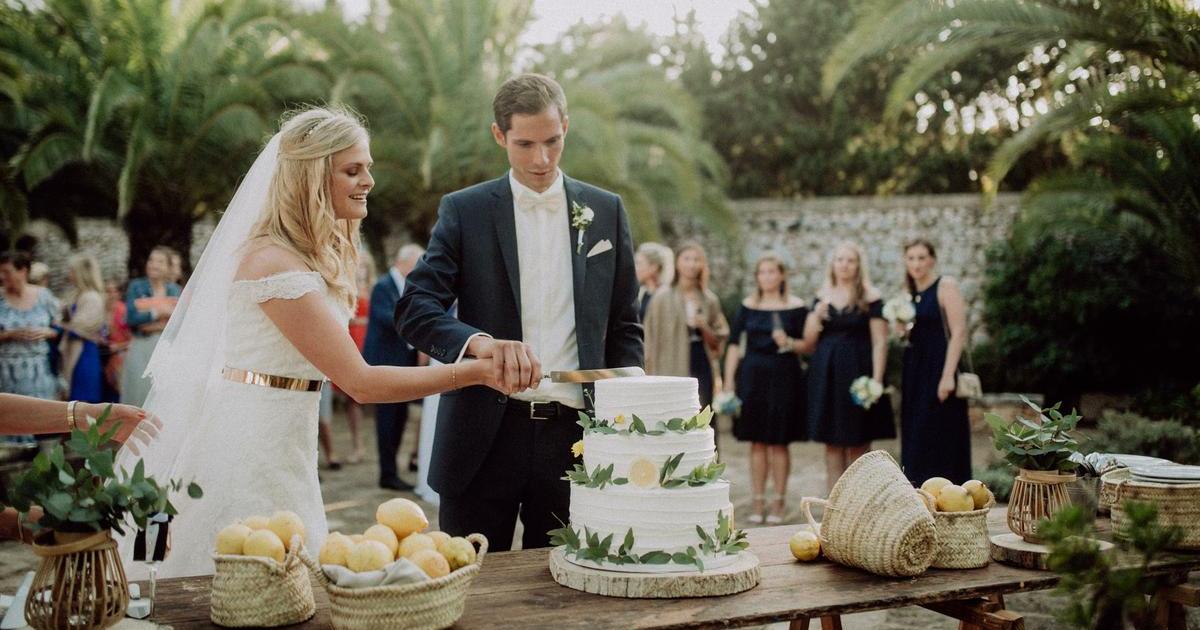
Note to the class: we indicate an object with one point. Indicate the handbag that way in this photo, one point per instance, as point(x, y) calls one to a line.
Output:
point(966, 384)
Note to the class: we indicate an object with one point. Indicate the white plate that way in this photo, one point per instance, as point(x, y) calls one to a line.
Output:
point(1167, 472)
point(1137, 460)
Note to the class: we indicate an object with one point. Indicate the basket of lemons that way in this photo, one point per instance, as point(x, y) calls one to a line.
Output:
point(395, 575)
point(261, 579)
point(960, 514)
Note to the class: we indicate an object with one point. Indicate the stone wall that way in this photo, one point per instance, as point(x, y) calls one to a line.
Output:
point(804, 231)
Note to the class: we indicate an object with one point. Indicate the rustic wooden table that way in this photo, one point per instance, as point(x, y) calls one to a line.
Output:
point(515, 589)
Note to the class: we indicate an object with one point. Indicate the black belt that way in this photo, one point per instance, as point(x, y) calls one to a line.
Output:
point(548, 410)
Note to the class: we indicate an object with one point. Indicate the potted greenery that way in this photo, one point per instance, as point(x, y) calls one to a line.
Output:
point(81, 583)
point(1041, 450)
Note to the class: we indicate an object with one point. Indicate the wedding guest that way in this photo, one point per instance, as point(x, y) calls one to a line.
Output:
point(28, 314)
point(149, 302)
point(176, 265)
point(84, 327)
point(762, 367)
point(934, 429)
point(652, 263)
point(24, 415)
point(684, 325)
point(850, 336)
point(117, 340)
point(384, 346)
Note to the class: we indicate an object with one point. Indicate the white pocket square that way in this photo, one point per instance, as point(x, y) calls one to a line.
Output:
point(600, 248)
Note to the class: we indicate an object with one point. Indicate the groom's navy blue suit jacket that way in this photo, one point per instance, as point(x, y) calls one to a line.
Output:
point(472, 259)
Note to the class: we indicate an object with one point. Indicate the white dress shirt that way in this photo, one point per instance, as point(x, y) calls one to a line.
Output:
point(547, 287)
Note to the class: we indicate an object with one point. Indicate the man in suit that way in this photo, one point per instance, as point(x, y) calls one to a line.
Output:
point(383, 346)
point(541, 266)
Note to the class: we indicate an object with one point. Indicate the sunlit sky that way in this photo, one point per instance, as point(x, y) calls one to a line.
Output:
point(552, 17)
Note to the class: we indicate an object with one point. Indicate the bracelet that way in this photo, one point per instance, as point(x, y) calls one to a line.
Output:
point(71, 415)
point(453, 376)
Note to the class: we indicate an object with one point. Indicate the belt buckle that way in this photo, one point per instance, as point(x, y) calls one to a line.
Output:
point(533, 410)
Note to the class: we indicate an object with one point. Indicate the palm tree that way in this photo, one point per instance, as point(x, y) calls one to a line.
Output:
point(1107, 56)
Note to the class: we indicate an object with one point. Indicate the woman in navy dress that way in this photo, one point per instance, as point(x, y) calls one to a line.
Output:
point(762, 364)
point(935, 432)
point(84, 327)
point(850, 337)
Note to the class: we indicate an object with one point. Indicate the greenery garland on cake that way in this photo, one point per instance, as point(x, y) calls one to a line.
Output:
point(601, 476)
point(724, 540)
point(633, 425)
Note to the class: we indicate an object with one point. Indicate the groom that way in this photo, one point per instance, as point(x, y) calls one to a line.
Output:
point(542, 268)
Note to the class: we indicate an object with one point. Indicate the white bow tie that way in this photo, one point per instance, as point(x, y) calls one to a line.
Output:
point(530, 202)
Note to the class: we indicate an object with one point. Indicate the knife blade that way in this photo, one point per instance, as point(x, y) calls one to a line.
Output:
point(591, 376)
point(14, 617)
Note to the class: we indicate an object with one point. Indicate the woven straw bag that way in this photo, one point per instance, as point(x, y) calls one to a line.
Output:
point(252, 591)
point(430, 605)
point(875, 520)
point(962, 538)
point(1178, 505)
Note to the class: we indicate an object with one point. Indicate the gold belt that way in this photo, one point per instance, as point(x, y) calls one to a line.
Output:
point(268, 380)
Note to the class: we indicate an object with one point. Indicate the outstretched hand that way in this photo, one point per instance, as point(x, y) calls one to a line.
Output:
point(515, 368)
point(135, 427)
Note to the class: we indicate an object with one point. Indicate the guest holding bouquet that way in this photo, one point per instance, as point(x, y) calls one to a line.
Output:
point(149, 302)
point(849, 333)
point(762, 364)
point(936, 435)
point(684, 325)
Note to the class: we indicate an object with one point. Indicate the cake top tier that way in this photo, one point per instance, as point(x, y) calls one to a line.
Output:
point(651, 398)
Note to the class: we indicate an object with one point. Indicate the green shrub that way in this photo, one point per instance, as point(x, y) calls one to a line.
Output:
point(1138, 435)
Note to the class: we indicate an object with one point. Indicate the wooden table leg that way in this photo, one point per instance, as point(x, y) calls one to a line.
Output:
point(799, 624)
point(832, 622)
point(1169, 612)
point(980, 614)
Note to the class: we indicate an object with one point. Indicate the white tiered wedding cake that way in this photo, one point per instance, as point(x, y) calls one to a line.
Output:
point(649, 496)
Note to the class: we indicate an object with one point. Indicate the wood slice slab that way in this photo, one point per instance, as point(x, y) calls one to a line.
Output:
point(1012, 549)
point(741, 575)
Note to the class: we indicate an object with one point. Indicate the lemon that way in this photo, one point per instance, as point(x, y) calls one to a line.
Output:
point(643, 473)
point(256, 522)
point(402, 515)
point(439, 539)
point(954, 498)
point(805, 545)
point(357, 538)
point(368, 555)
point(459, 552)
point(385, 535)
point(979, 493)
point(232, 539)
point(263, 543)
point(286, 524)
point(431, 562)
point(934, 485)
point(414, 543)
point(336, 549)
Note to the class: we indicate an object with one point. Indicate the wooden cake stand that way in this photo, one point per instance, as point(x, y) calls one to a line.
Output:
point(741, 575)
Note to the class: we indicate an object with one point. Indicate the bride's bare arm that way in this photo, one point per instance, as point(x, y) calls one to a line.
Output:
point(311, 327)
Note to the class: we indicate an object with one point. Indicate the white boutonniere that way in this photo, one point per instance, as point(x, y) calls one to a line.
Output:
point(581, 218)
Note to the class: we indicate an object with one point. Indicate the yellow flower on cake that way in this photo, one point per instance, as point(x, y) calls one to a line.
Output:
point(577, 449)
point(619, 420)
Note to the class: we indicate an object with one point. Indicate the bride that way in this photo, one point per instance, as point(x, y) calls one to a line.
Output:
point(238, 371)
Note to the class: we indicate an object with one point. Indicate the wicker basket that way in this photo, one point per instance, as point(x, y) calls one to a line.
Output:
point(430, 605)
point(1036, 495)
point(962, 538)
point(252, 591)
point(1108, 490)
point(1178, 505)
point(80, 583)
point(875, 520)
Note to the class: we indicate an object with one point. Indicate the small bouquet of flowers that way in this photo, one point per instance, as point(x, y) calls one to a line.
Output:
point(865, 391)
point(727, 403)
point(900, 310)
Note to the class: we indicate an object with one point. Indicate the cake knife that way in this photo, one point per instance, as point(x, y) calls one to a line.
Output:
point(591, 376)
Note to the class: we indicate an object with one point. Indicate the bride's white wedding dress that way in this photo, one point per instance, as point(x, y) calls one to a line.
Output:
point(259, 453)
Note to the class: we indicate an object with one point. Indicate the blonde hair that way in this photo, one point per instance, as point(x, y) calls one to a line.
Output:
point(661, 256)
point(87, 274)
point(770, 258)
point(299, 216)
point(862, 281)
